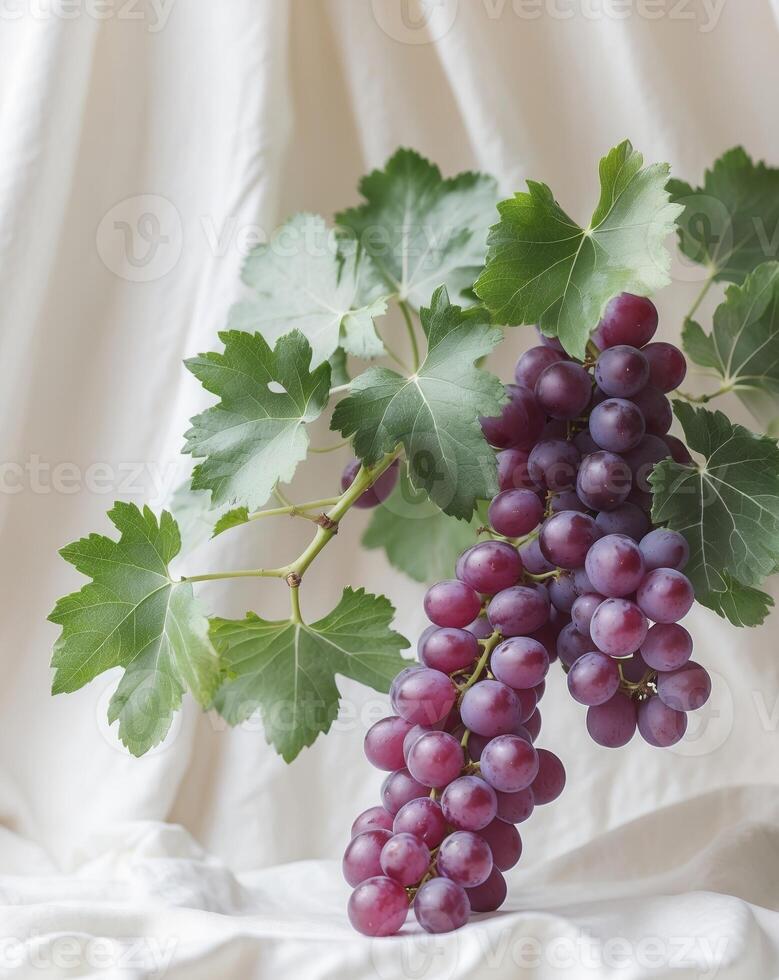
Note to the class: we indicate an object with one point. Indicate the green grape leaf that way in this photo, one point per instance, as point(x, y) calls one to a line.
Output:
point(731, 223)
point(743, 347)
point(302, 282)
point(420, 229)
point(255, 436)
point(133, 615)
point(741, 604)
point(288, 669)
point(544, 268)
point(417, 537)
point(434, 413)
point(231, 518)
point(727, 507)
point(339, 369)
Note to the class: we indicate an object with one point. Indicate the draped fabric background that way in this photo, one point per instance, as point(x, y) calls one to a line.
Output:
point(144, 147)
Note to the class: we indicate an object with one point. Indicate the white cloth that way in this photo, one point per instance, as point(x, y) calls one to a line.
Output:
point(144, 145)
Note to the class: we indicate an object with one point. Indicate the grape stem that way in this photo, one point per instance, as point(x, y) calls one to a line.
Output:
point(489, 645)
point(703, 399)
point(700, 297)
point(327, 529)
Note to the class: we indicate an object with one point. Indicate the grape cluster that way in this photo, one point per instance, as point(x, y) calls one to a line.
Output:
point(572, 570)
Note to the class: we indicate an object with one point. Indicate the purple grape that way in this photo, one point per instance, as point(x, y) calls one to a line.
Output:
point(566, 500)
point(550, 781)
point(533, 725)
point(451, 603)
point(468, 803)
point(553, 464)
point(489, 708)
point(626, 519)
point(423, 636)
point(618, 627)
point(515, 807)
point(465, 857)
point(627, 319)
point(665, 595)
point(448, 650)
point(554, 429)
point(424, 697)
point(593, 679)
point(660, 725)
point(616, 425)
point(519, 423)
point(412, 735)
point(584, 442)
point(621, 371)
point(615, 566)
point(374, 818)
point(533, 560)
point(533, 362)
point(481, 628)
point(643, 459)
point(513, 513)
point(583, 610)
point(400, 788)
point(685, 689)
point(378, 907)
point(423, 818)
point(679, 452)
point(512, 470)
point(581, 581)
point(667, 365)
point(562, 592)
point(493, 565)
point(655, 408)
point(604, 480)
point(519, 611)
point(405, 858)
point(459, 568)
point(662, 548)
point(563, 390)
point(566, 538)
point(527, 705)
point(633, 669)
point(380, 490)
point(362, 856)
point(520, 662)
point(641, 499)
point(571, 644)
point(384, 743)
point(667, 646)
point(547, 637)
point(505, 843)
point(509, 764)
point(490, 894)
point(612, 724)
point(441, 905)
point(435, 759)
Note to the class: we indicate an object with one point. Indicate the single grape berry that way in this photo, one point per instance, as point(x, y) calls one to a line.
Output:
point(380, 490)
point(451, 603)
point(550, 780)
point(509, 763)
point(378, 907)
point(562, 592)
point(448, 650)
point(493, 565)
point(566, 538)
point(643, 459)
point(612, 724)
point(423, 818)
point(384, 743)
point(685, 689)
point(424, 697)
point(604, 480)
point(553, 464)
point(667, 365)
point(627, 319)
point(374, 818)
point(465, 857)
point(655, 409)
point(435, 759)
point(505, 843)
point(660, 725)
point(519, 611)
point(441, 905)
point(618, 627)
point(621, 371)
point(583, 610)
point(571, 644)
point(616, 425)
point(665, 595)
point(626, 519)
point(515, 807)
point(489, 708)
point(533, 559)
point(615, 566)
point(362, 858)
point(469, 803)
point(593, 679)
point(400, 788)
point(667, 646)
point(515, 512)
point(563, 390)
point(662, 548)
point(490, 894)
point(520, 662)
point(405, 858)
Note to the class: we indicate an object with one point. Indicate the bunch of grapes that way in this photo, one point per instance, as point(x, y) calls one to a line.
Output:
point(572, 570)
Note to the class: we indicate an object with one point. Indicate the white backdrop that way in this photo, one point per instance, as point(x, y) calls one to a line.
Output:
point(219, 120)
